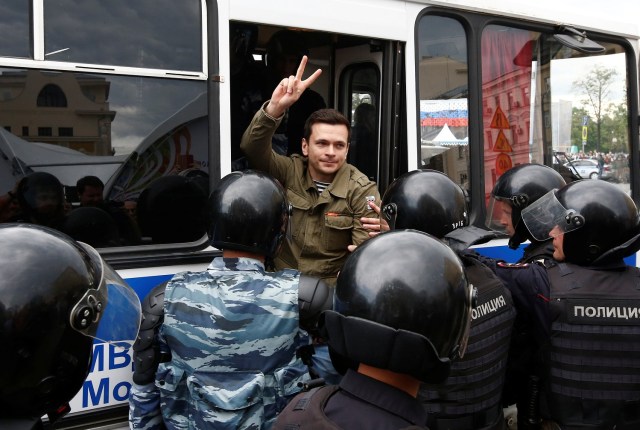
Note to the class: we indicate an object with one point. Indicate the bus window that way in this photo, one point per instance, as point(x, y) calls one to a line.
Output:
point(167, 38)
point(14, 29)
point(361, 82)
point(443, 98)
point(589, 114)
point(126, 130)
point(83, 96)
point(548, 103)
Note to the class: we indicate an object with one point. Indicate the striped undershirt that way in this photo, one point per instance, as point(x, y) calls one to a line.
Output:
point(321, 186)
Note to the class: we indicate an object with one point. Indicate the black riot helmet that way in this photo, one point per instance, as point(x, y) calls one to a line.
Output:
point(56, 296)
point(41, 198)
point(173, 209)
point(425, 200)
point(249, 212)
point(600, 221)
point(93, 226)
point(516, 189)
point(402, 303)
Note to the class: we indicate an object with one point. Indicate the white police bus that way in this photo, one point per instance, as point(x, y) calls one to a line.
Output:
point(132, 90)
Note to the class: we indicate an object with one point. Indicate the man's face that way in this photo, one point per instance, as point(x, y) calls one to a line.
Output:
point(9, 207)
point(327, 150)
point(91, 196)
point(504, 214)
point(47, 202)
point(558, 244)
point(131, 207)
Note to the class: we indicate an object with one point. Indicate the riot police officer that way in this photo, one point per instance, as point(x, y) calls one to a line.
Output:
point(402, 309)
point(56, 297)
point(516, 189)
point(41, 199)
point(583, 306)
point(226, 342)
point(427, 200)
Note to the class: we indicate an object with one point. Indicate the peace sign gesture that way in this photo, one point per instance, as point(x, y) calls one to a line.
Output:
point(289, 90)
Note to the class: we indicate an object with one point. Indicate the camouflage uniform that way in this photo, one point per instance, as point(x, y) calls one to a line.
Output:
point(233, 334)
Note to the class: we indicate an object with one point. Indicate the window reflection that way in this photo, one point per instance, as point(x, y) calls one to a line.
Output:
point(507, 56)
point(15, 39)
point(126, 132)
point(547, 103)
point(443, 89)
point(125, 33)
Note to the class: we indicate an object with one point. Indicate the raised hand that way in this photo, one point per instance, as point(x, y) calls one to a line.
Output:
point(290, 89)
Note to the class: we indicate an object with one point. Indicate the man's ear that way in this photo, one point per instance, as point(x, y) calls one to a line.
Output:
point(305, 147)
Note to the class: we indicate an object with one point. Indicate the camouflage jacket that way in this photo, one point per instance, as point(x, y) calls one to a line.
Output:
point(233, 334)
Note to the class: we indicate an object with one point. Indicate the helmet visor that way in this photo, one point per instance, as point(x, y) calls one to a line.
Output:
point(499, 216)
point(112, 311)
point(546, 218)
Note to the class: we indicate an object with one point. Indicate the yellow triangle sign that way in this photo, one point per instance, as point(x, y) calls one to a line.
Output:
point(499, 120)
point(502, 143)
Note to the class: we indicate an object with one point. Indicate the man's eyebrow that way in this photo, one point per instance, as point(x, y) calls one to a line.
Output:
point(330, 141)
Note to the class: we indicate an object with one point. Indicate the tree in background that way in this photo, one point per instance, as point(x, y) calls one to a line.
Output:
point(596, 88)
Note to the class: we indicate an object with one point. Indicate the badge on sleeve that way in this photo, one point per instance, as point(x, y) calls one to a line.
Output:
point(512, 265)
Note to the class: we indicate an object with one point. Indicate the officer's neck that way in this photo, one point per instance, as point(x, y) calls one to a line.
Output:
point(401, 381)
point(232, 253)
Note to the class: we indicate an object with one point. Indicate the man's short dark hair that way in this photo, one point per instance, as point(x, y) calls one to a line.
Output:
point(326, 116)
point(88, 181)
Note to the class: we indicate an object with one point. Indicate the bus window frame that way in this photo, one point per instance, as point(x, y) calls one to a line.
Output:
point(473, 25)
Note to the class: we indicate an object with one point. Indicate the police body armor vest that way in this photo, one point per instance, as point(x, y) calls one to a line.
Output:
point(306, 411)
point(471, 396)
point(592, 364)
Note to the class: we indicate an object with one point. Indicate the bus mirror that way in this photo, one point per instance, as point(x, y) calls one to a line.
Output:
point(574, 39)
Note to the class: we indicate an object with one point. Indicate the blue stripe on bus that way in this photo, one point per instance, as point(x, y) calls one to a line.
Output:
point(502, 253)
point(143, 285)
point(513, 255)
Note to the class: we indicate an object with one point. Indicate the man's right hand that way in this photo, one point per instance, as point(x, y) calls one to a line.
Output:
point(289, 90)
point(374, 225)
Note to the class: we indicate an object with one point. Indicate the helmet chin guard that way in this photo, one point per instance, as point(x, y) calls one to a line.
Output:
point(400, 351)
